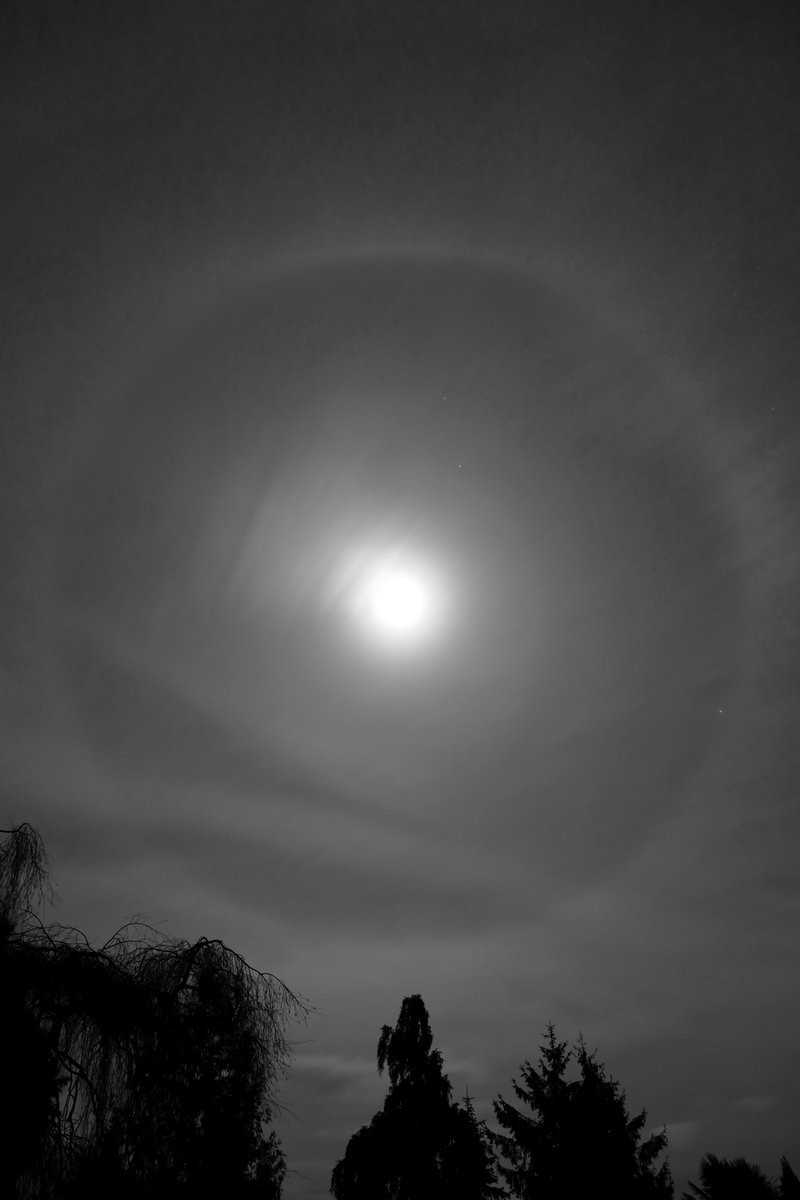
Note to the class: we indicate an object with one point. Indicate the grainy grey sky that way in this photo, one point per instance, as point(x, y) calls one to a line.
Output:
point(509, 290)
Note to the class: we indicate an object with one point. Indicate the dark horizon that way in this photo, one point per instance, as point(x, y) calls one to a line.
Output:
point(399, 526)
point(119, 1049)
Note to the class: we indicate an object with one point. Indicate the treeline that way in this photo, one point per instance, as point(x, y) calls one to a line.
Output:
point(147, 1069)
point(575, 1138)
point(571, 1136)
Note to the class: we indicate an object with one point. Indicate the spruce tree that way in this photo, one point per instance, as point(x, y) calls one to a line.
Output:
point(730, 1179)
point(578, 1137)
point(790, 1184)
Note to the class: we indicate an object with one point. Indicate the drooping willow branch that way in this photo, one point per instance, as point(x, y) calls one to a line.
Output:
point(156, 1041)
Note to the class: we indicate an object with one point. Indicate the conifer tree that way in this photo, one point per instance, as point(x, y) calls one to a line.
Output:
point(730, 1179)
point(790, 1184)
point(578, 1138)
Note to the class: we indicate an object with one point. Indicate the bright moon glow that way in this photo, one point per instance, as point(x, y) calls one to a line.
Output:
point(396, 603)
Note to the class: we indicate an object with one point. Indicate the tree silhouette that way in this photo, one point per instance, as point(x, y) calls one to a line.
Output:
point(421, 1143)
point(29, 1092)
point(731, 1179)
point(580, 1138)
point(23, 875)
point(790, 1184)
point(146, 1067)
point(470, 1172)
point(738, 1179)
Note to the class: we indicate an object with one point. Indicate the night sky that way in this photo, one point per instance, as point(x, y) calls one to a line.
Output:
point(504, 296)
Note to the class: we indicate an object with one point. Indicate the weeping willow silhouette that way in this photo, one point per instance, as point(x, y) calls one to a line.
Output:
point(148, 1065)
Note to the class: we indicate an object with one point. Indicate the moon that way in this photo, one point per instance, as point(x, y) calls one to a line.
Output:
point(397, 605)
point(396, 602)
